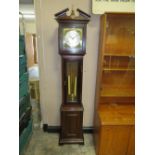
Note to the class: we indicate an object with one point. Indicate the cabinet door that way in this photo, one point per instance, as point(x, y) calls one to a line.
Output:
point(120, 34)
point(114, 140)
point(71, 124)
point(118, 62)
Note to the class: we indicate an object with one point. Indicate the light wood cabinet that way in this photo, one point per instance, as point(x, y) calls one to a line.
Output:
point(115, 86)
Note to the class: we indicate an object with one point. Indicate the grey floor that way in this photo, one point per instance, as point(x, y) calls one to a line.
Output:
point(43, 143)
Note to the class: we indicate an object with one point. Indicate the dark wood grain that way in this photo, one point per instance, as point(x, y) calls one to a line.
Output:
point(72, 110)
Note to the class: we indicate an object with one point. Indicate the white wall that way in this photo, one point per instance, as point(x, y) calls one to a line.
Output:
point(30, 27)
point(50, 62)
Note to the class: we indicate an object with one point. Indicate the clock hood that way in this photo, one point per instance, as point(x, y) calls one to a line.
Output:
point(62, 16)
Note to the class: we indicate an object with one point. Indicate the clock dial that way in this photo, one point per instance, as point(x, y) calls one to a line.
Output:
point(72, 38)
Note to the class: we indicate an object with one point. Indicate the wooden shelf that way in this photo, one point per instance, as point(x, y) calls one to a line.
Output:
point(118, 69)
point(119, 63)
point(119, 54)
point(117, 90)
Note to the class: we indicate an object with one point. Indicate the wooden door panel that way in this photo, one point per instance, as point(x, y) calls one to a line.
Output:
point(114, 140)
point(71, 124)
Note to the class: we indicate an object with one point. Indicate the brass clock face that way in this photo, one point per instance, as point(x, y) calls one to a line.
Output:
point(72, 38)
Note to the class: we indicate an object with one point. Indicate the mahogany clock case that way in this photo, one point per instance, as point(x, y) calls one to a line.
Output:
point(72, 48)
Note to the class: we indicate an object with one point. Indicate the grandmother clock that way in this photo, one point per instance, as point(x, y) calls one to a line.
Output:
point(72, 48)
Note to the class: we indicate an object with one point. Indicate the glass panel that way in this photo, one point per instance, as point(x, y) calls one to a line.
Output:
point(72, 81)
point(119, 63)
point(120, 35)
point(118, 76)
point(118, 70)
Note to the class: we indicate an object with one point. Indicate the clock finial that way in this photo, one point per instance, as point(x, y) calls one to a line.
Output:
point(72, 12)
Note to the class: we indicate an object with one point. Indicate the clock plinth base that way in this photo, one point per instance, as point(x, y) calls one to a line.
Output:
point(71, 141)
point(71, 124)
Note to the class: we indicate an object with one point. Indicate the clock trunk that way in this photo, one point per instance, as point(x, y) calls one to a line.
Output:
point(72, 79)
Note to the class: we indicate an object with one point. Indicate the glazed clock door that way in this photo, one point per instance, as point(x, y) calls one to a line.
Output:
point(72, 40)
point(72, 80)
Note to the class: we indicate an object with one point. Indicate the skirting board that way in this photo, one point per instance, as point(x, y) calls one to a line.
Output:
point(56, 129)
